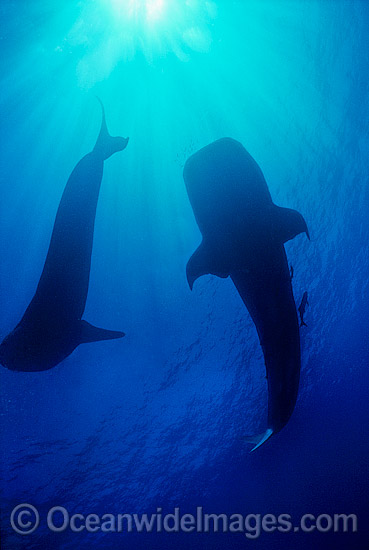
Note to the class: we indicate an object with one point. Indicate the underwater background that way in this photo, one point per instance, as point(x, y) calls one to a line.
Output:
point(156, 420)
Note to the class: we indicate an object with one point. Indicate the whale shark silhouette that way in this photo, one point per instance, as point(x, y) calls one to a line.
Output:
point(243, 236)
point(52, 326)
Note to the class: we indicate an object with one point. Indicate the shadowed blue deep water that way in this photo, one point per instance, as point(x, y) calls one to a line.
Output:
point(156, 419)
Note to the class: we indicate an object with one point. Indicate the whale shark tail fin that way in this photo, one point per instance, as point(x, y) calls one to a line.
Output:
point(106, 144)
point(288, 224)
point(89, 333)
point(303, 324)
point(258, 440)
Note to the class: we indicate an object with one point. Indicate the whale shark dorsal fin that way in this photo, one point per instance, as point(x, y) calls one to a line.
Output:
point(106, 144)
point(89, 333)
point(287, 224)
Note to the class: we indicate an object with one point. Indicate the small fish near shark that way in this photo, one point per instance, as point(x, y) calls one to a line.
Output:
point(243, 236)
point(302, 308)
point(52, 326)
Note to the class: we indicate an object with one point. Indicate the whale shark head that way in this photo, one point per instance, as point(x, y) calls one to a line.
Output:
point(224, 182)
point(240, 224)
point(2, 355)
point(36, 348)
point(12, 352)
point(26, 350)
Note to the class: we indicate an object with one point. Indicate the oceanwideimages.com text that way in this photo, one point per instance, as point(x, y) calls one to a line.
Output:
point(25, 519)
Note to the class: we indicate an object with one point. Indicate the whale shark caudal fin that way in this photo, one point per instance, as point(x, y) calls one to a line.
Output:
point(89, 333)
point(107, 145)
point(258, 440)
point(288, 223)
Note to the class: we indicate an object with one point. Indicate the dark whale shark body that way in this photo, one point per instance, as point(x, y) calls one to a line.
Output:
point(243, 237)
point(52, 326)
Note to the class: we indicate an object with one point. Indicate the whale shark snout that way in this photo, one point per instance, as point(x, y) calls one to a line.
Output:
point(36, 348)
point(243, 236)
point(28, 350)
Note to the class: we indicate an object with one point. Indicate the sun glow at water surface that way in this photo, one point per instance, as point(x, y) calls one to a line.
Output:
point(110, 31)
point(147, 10)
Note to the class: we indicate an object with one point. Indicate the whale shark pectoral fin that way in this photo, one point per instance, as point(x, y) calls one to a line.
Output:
point(197, 265)
point(258, 440)
point(204, 262)
point(89, 333)
point(288, 224)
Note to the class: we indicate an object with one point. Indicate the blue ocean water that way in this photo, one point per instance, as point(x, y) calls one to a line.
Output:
point(156, 420)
